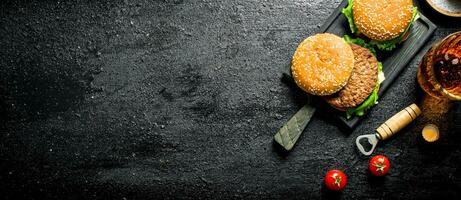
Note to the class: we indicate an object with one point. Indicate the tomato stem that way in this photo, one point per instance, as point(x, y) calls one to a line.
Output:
point(380, 165)
point(337, 180)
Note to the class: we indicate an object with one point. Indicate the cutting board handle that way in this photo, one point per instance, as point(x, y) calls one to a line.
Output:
point(398, 121)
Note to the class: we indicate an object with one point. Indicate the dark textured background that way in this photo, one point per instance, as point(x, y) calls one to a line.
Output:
point(181, 99)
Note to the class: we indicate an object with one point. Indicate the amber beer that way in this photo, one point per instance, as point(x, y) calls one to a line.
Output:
point(439, 73)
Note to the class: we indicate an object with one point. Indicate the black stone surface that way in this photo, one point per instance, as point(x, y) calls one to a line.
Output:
point(180, 99)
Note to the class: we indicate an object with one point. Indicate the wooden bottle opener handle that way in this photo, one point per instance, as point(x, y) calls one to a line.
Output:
point(398, 121)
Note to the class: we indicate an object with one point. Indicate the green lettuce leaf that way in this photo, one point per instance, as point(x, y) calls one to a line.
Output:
point(369, 102)
point(347, 11)
point(392, 44)
point(360, 42)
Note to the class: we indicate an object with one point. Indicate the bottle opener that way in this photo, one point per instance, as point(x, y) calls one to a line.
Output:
point(389, 128)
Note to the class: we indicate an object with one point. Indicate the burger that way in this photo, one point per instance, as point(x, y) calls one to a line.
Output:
point(344, 74)
point(386, 23)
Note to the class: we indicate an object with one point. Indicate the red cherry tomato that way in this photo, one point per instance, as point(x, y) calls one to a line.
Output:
point(335, 180)
point(379, 165)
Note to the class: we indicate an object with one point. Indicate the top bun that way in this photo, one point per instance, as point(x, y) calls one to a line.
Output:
point(382, 20)
point(322, 64)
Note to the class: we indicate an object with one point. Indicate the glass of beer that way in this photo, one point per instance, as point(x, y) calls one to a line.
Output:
point(439, 73)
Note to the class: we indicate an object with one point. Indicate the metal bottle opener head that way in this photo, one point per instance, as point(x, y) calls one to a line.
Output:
point(371, 138)
point(389, 128)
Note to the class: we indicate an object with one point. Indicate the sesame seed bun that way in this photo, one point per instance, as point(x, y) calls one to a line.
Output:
point(322, 64)
point(382, 20)
point(361, 83)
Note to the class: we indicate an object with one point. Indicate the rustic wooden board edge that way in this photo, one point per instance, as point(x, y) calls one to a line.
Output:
point(336, 13)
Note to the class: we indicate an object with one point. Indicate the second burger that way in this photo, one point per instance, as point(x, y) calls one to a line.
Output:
point(346, 75)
